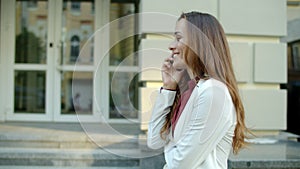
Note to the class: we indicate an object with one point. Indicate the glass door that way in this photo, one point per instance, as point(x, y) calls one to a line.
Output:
point(75, 61)
point(123, 64)
point(49, 36)
point(53, 64)
point(30, 64)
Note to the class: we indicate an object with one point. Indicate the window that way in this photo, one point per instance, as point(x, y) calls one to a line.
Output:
point(295, 55)
point(32, 4)
point(75, 6)
point(93, 7)
point(123, 63)
point(75, 47)
point(30, 95)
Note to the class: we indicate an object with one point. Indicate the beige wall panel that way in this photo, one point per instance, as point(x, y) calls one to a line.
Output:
point(253, 17)
point(148, 96)
point(166, 12)
point(242, 60)
point(270, 63)
point(157, 22)
point(176, 7)
point(162, 44)
point(293, 12)
point(265, 109)
point(152, 53)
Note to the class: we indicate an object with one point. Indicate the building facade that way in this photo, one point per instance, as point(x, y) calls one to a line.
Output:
point(259, 57)
point(67, 60)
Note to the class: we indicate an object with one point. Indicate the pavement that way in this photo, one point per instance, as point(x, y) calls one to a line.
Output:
point(67, 135)
point(73, 145)
point(280, 151)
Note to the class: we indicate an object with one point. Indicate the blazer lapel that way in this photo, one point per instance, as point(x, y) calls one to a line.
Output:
point(183, 120)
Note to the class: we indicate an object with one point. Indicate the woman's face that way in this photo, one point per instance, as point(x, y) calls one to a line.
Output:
point(178, 45)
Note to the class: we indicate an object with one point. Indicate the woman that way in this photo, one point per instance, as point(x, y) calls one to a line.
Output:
point(198, 116)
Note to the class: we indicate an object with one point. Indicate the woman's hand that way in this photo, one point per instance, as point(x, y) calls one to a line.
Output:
point(170, 76)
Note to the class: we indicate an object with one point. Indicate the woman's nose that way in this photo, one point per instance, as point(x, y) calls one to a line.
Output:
point(172, 46)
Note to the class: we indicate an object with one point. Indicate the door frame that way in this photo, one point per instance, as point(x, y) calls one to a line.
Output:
point(52, 108)
point(100, 20)
point(11, 67)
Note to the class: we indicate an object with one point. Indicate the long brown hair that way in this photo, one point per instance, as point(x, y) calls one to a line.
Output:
point(207, 53)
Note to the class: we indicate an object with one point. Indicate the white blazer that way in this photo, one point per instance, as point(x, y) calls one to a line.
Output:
point(203, 134)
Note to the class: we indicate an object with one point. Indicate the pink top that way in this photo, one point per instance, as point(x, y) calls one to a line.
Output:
point(182, 102)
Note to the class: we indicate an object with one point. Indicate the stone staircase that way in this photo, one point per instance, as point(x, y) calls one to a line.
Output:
point(58, 145)
point(119, 146)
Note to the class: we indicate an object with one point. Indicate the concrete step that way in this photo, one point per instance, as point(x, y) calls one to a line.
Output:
point(55, 146)
point(68, 157)
point(55, 167)
point(68, 144)
point(79, 158)
point(51, 135)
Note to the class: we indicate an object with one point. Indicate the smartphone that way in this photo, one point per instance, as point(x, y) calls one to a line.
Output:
point(172, 61)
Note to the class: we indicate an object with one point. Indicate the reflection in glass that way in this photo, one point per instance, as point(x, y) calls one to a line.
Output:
point(121, 35)
point(77, 93)
point(75, 6)
point(296, 55)
point(31, 31)
point(123, 95)
point(77, 28)
point(75, 45)
point(29, 96)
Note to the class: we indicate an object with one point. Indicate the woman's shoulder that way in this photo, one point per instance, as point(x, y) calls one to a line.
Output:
point(210, 83)
point(210, 87)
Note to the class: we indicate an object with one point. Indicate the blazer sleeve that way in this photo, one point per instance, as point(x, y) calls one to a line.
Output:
point(164, 101)
point(210, 120)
